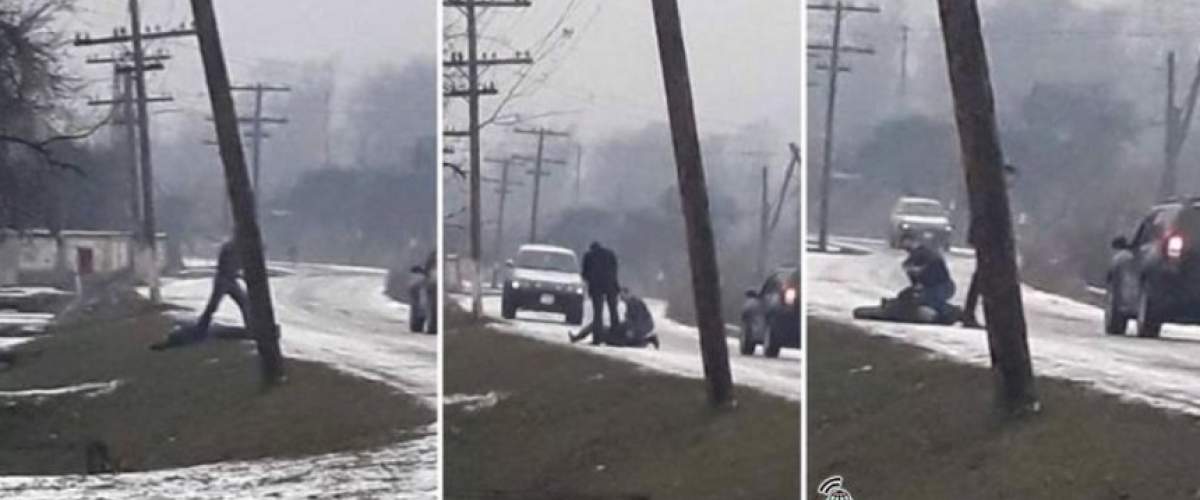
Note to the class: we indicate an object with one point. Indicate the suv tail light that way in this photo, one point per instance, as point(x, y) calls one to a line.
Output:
point(789, 296)
point(1174, 246)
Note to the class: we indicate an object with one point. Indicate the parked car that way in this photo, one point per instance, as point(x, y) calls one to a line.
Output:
point(1154, 277)
point(771, 314)
point(543, 278)
point(923, 218)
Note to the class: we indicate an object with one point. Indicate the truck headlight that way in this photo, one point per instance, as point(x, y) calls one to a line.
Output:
point(515, 284)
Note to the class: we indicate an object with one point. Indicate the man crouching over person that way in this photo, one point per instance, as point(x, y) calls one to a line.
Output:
point(637, 330)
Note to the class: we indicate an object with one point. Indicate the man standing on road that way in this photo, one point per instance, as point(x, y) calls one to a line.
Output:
point(225, 282)
point(600, 273)
point(968, 313)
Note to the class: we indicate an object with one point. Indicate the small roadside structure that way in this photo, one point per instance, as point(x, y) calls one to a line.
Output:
point(34, 257)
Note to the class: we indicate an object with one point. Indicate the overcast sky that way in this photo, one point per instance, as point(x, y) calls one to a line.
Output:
point(262, 34)
point(745, 61)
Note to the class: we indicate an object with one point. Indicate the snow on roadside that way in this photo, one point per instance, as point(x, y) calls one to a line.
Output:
point(679, 355)
point(1066, 337)
point(407, 470)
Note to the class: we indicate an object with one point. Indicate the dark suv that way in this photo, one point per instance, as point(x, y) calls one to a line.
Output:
point(1155, 277)
point(771, 314)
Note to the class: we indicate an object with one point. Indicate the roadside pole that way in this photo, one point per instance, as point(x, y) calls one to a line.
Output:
point(991, 220)
point(702, 253)
point(262, 314)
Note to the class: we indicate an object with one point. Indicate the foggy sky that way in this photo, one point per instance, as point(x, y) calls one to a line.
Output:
point(264, 36)
point(744, 57)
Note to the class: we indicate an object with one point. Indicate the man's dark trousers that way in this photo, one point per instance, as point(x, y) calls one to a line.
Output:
point(222, 286)
point(599, 299)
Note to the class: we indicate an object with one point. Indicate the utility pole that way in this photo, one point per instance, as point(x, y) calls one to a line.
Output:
point(904, 30)
point(578, 172)
point(257, 121)
point(693, 192)
point(135, 36)
point(503, 190)
point(764, 210)
point(840, 9)
point(783, 189)
point(249, 239)
point(991, 219)
point(472, 62)
point(538, 172)
point(125, 115)
point(1178, 123)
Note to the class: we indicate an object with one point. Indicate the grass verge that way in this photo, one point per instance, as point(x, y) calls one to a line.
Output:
point(566, 424)
point(900, 424)
point(186, 406)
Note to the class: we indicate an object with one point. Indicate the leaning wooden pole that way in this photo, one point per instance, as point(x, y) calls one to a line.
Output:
point(702, 253)
point(983, 164)
point(241, 195)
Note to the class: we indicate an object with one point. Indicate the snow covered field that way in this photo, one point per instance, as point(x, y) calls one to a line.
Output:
point(336, 315)
point(1066, 337)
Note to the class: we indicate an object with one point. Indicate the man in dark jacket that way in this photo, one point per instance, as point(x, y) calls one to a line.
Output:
point(930, 277)
point(600, 273)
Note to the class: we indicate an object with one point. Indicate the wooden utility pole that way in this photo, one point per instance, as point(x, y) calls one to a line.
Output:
point(149, 231)
point(538, 172)
point(256, 122)
point(578, 172)
point(125, 116)
point(472, 62)
point(1178, 125)
point(764, 211)
point(249, 238)
point(783, 189)
point(991, 220)
point(135, 36)
point(904, 30)
point(835, 49)
point(693, 192)
point(503, 190)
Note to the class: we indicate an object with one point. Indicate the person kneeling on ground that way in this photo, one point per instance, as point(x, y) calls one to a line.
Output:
point(932, 287)
point(225, 282)
point(637, 330)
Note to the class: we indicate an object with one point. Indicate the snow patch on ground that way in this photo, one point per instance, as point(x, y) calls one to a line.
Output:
point(406, 470)
point(90, 389)
point(473, 402)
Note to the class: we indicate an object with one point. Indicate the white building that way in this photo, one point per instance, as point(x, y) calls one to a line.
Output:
point(29, 258)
